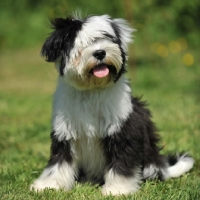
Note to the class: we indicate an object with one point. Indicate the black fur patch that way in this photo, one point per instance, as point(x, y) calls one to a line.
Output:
point(59, 44)
point(60, 151)
point(135, 146)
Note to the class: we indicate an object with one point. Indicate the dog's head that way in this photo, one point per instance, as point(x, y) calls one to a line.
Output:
point(89, 53)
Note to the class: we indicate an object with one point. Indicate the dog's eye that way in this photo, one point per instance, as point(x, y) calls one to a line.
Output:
point(115, 40)
point(111, 37)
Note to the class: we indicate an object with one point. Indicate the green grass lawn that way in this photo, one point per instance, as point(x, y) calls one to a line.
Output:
point(26, 87)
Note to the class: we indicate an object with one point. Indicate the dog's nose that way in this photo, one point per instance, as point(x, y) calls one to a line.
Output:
point(99, 54)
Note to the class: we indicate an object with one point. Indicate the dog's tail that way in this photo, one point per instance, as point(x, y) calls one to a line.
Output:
point(178, 165)
point(174, 166)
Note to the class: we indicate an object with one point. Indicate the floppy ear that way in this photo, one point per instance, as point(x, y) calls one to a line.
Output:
point(59, 43)
point(123, 32)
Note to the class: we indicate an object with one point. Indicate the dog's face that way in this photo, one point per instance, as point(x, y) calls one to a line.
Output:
point(89, 53)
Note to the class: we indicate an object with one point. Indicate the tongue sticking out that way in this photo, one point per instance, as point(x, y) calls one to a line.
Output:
point(101, 71)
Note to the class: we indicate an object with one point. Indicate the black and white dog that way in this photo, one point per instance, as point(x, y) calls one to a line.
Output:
point(100, 133)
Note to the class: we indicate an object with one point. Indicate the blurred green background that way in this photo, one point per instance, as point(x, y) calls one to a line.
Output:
point(164, 26)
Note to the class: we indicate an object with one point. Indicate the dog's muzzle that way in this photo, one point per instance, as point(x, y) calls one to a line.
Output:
point(102, 69)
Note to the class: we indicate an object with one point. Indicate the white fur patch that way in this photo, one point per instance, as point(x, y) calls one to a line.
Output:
point(95, 113)
point(125, 32)
point(57, 176)
point(88, 155)
point(95, 27)
point(116, 184)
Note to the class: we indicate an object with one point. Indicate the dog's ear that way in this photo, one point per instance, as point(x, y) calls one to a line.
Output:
point(61, 40)
point(123, 32)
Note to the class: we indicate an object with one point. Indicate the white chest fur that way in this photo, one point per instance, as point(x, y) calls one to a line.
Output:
point(92, 113)
point(89, 156)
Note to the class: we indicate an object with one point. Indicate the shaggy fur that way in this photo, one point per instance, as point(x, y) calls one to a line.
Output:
point(100, 133)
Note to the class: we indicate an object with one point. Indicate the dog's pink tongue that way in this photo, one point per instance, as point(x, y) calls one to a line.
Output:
point(101, 71)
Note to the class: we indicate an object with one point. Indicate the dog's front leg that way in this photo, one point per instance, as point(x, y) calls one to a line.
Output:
point(123, 175)
point(61, 169)
point(118, 184)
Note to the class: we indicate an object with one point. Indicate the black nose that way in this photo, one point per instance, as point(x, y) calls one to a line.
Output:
point(99, 54)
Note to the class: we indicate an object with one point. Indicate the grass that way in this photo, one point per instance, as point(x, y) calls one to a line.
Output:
point(26, 87)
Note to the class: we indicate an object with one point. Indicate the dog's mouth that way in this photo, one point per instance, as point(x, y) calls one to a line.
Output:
point(103, 70)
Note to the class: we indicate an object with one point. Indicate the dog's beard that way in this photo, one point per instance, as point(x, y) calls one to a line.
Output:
point(86, 72)
point(95, 77)
point(92, 82)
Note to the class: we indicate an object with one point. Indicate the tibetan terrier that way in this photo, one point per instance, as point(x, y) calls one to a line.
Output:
point(100, 133)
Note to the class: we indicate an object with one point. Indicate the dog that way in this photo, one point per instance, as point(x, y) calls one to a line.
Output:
point(100, 132)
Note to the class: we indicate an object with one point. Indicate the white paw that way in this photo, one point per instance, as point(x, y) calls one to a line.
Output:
point(116, 184)
point(110, 191)
point(41, 185)
point(115, 191)
point(59, 176)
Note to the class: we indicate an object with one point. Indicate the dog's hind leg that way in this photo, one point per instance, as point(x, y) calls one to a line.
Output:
point(61, 171)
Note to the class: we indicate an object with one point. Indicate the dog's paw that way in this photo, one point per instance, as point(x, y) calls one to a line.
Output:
point(59, 176)
point(115, 191)
point(39, 186)
point(110, 191)
point(116, 184)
